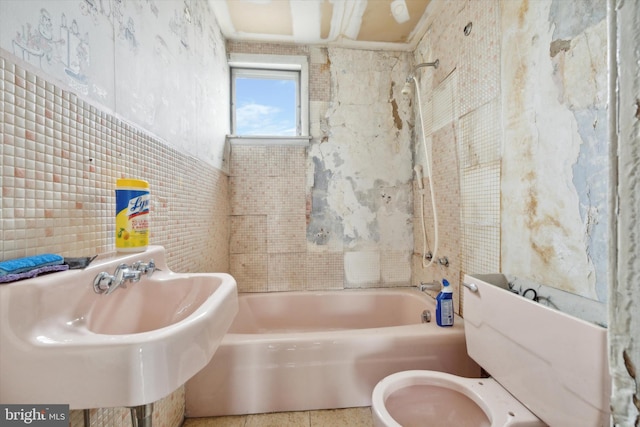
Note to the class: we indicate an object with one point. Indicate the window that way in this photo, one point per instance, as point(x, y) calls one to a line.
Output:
point(265, 102)
point(269, 97)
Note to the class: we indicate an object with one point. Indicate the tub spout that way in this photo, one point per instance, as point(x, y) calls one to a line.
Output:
point(433, 286)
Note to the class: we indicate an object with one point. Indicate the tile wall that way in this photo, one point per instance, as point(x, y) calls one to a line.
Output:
point(61, 157)
point(60, 160)
point(270, 202)
point(268, 223)
point(461, 104)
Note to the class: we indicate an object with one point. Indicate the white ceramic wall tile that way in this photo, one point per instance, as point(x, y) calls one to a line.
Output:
point(361, 268)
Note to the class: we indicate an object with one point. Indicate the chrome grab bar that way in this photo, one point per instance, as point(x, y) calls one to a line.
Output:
point(471, 286)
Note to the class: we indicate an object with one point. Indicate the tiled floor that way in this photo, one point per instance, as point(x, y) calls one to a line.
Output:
point(350, 417)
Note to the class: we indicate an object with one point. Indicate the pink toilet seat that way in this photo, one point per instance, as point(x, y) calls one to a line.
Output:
point(424, 398)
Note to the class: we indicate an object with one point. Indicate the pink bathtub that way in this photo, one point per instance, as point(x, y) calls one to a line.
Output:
point(293, 351)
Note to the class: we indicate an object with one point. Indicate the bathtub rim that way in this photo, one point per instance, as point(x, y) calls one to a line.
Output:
point(416, 329)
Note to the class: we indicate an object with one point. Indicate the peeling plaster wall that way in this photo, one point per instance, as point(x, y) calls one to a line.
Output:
point(555, 169)
point(338, 214)
point(361, 190)
point(155, 64)
point(529, 144)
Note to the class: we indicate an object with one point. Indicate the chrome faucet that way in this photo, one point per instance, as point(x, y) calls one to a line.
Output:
point(145, 267)
point(105, 283)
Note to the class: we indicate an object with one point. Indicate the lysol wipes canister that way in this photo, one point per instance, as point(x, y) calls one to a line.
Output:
point(132, 215)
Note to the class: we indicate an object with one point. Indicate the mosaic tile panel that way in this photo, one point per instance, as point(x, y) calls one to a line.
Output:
point(479, 61)
point(480, 144)
point(325, 270)
point(248, 195)
point(249, 161)
point(286, 161)
point(268, 222)
point(445, 99)
point(444, 39)
point(395, 268)
point(251, 271)
point(286, 233)
point(287, 272)
point(480, 135)
point(248, 234)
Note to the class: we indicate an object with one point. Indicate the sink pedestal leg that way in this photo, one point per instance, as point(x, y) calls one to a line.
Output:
point(143, 415)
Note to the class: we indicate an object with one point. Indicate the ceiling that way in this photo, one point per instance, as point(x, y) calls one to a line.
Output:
point(379, 24)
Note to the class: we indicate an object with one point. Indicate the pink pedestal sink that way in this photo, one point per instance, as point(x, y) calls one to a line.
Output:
point(60, 342)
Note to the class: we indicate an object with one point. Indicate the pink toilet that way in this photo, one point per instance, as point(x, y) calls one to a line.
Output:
point(546, 367)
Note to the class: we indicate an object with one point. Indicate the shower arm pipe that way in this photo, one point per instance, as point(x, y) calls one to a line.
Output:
point(433, 198)
point(433, 64)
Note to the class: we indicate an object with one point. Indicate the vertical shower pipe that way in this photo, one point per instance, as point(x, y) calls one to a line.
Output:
point(405, 91)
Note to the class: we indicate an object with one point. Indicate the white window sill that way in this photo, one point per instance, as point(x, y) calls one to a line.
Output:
point(300, 141)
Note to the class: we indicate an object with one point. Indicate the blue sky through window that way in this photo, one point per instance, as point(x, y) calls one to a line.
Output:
point(265, 106)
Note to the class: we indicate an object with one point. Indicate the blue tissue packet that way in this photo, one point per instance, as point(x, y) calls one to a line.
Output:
point(20, 265)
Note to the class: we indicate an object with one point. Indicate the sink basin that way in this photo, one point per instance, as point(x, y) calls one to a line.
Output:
point(137, 309)
point(60, 342)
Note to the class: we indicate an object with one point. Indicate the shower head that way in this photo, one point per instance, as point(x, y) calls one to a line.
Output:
point(406, 89)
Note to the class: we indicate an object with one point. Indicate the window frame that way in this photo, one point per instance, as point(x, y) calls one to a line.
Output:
point(269, 66)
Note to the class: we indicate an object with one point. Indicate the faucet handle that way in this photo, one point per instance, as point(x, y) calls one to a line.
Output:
point(444, 261)
point(151, 267)
point(103, 282)
point(145, 267)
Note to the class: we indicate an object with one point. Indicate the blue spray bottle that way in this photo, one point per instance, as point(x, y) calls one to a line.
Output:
point(444, 305)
